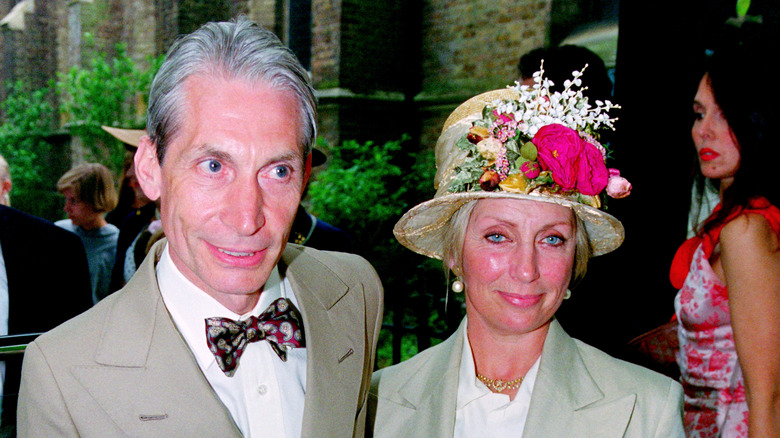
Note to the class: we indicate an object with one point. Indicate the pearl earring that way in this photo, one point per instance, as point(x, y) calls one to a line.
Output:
point(567, 295)
point(458, 286)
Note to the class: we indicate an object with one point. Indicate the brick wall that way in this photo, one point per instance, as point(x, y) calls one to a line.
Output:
point(471, 46)
point(383, 68)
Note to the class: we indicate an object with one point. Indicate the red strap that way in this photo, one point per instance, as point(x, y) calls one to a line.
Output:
point(682, 259)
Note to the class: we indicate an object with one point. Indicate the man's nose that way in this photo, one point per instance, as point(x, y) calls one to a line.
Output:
point(244, 210)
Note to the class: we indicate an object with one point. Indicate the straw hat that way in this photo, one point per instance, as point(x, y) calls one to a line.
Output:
point(521, 143)
point(130, 137)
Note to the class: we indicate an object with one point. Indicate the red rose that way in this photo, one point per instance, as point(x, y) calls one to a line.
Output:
point(559, 150)
point(592, 173)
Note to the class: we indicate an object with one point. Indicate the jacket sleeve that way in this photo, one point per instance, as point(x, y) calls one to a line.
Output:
point(373, 295)
point(41, 411)
point(670, 424)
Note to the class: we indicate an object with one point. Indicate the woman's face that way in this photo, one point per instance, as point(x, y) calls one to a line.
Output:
point(78, 211)
point(718, 150)
point(517, 263)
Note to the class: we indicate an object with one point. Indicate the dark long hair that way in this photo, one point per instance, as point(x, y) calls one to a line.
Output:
point(746, 89)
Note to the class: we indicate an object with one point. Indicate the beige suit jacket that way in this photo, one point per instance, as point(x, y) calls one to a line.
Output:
point(579, 392)
point(122, 369)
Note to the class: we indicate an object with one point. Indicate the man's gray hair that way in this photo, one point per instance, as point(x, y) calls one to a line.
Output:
point(238, 49)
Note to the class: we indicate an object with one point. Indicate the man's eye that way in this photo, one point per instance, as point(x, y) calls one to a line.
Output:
point(211, 166)
point(280, 172)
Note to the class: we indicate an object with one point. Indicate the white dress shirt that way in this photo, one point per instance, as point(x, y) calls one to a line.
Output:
point(265, 396)
point(481, 412)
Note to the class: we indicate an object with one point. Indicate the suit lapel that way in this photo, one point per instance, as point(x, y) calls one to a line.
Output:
point(426, 388)
point(153, 374)
point(566, 392)
point(335, 351)
point(439, 380)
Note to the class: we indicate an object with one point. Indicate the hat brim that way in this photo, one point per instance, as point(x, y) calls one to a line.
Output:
point(318, 158)
point(422, 228)
point(130, 137)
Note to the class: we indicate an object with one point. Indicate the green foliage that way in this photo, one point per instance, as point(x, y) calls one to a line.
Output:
point(25, 142)
point(364, 190)
point(742, 7)
point(106, 92)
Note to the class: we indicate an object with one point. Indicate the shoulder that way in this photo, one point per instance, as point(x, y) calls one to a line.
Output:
point(428, 365)
point(26, 226)
point(110, 230)
point(75, 340)
point(750, 230)
point(344, 265)
point(616, 373)
point(412, 366)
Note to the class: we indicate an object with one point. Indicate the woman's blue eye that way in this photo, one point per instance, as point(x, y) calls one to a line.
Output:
point(495, 237)
point(553, 240)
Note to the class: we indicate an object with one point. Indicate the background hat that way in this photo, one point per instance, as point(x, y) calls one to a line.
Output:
point(422, 228)
point(130, 137)
point(318, 158)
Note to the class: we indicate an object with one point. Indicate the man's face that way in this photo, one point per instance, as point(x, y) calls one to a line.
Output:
point(229, 185)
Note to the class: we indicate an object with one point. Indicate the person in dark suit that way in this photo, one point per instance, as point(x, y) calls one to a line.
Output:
point(311, 231)
point(133, 215)
point(47, 283)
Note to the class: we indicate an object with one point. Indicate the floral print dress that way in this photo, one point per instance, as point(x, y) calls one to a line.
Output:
point(715, 402)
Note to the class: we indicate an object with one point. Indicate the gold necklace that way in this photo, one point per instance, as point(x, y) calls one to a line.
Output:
point(498, 385)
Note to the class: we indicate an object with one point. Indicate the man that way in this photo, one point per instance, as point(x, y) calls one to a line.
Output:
point(230, 123)
point(44, 281)
point(133, 216)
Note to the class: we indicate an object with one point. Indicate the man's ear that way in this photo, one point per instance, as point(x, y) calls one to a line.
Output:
point(147, 168)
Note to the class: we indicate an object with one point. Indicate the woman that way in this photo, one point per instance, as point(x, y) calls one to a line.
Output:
point(516, 217)
point(89, 193)
point(728, 275)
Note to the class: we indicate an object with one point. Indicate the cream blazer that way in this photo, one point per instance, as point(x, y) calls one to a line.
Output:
point(122, 369)
point(579, 392)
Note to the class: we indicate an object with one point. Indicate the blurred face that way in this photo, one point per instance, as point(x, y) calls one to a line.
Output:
point(229, 186)
point(718, 151)
point(79, 212)
point(517, 263)
point(140, 197)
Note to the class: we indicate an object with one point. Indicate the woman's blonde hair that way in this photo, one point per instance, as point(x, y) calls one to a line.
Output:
point(93, 184)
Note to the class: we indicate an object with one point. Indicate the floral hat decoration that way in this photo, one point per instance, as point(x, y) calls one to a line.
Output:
point(522, 142)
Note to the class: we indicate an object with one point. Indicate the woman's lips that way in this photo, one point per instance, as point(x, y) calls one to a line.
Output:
point(520, 300)
point(707, 154)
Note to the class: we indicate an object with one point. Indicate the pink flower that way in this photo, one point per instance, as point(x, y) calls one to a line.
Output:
point(559, 150)
point(530, 169)
point(592, 174)
point(618, 187)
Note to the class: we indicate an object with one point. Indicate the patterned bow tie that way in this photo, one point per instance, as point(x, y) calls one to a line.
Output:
point(281, 325)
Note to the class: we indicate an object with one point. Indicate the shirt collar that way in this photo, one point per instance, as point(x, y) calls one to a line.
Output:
point(189, 306)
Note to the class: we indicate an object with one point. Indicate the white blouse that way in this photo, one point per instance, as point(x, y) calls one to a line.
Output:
point(483, 413)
